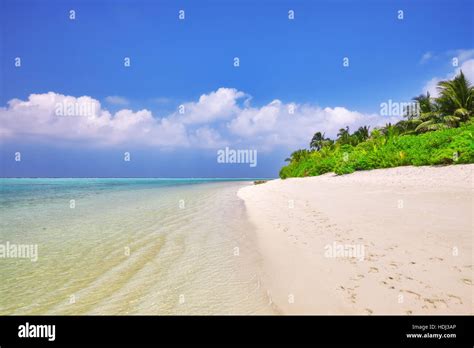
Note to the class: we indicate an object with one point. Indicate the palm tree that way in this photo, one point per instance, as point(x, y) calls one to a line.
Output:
point(425, 104)
point(327, 142)
point(432, 121)
point(456, 97)
point(317, 142)
point(344, 136)
point(455, 104)
point(362, 134)
point(298, 155)
point(407, 126)
point(389, 130)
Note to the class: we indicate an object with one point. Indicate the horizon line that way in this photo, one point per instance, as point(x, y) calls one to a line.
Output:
point(132, 177)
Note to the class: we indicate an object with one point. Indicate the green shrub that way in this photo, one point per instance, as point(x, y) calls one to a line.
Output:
point(447, 146)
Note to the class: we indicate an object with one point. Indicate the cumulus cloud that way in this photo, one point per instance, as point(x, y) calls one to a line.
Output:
point(462, 55)
point(207, 137)
point(53, 116)
point(216, 119)
point(217, 105)
point(466, 64)
point(467, 68)
point(293, 124)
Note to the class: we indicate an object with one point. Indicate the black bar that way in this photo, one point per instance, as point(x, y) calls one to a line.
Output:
point(225, 330)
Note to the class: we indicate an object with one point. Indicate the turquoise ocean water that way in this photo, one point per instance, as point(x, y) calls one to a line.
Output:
point(128, 246)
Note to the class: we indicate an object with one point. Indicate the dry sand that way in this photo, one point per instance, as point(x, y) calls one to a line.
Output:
point(415, 225)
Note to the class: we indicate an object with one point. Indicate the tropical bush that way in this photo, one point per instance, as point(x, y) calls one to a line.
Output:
point(441, 134)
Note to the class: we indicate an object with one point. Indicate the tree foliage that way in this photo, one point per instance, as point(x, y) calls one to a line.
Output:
point(441, 133)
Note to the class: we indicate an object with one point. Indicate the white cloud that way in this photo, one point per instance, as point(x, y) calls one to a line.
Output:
point(431, 85)
point(116, 100)
point(273, 124)
point(462, 55)
point(54, 116)
point(219, 118)
point(426, 57)
point(207, 137)
point(217, 105)
point(215, 120)
point(467, 68)
point(465, 60)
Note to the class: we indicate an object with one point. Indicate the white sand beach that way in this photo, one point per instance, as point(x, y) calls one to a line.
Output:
point(413, 225)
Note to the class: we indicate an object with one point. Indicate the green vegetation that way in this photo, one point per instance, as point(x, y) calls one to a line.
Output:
point(441, 132)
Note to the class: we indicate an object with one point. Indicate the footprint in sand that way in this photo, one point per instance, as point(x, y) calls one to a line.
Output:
point(417, 295)
point(369, 311)
point(350, 292)
point(467, 281)
point(353, 298)
point(459, 300)
point(436, 303)
point(357, 277)
point(393, 264)
point(373, 270)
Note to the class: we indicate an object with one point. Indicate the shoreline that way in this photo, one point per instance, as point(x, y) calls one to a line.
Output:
point(137, 250)
point(413, 226)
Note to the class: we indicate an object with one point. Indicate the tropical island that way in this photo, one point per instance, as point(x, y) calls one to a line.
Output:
point(440, 133)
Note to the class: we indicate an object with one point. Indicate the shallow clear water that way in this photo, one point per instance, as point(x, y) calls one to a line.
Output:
point(128, 246)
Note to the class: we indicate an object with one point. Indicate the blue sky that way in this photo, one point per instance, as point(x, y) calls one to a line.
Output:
point(175, 62)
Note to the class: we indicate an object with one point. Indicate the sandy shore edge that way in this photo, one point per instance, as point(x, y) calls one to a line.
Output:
point(386, 241)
